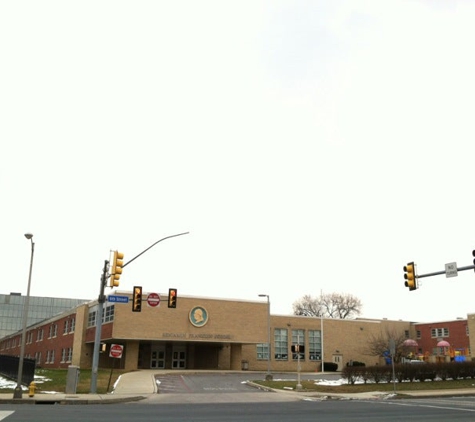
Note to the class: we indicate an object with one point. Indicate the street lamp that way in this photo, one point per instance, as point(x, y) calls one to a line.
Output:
point(269, 375)
point(17, 394)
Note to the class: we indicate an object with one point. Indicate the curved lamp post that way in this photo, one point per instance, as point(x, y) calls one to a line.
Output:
point(18, 392)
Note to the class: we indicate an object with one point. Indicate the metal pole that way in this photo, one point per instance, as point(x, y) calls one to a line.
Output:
point(321, 332)
point(97, 338)
point(102, 299)
point(18, 393)
point(299, 385)
point(268, 375)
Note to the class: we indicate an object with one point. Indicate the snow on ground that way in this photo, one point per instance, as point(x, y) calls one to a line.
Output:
point(8, 383)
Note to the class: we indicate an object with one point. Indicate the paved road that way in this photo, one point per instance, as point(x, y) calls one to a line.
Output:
point(422, 410)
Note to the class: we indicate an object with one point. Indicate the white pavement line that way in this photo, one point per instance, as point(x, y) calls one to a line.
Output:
point(5, 414)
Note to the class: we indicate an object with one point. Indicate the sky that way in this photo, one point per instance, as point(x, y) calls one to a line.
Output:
point(307, 147)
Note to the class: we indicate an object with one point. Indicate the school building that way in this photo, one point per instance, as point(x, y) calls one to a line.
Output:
point(218, 334)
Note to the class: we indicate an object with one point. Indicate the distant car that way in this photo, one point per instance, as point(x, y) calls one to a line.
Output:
point(415, 361)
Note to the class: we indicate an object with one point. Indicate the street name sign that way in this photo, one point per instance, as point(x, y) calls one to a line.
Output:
point(118, 299)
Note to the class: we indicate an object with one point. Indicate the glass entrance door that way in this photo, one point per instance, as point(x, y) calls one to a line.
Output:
point(157, 357)
point(179, 357)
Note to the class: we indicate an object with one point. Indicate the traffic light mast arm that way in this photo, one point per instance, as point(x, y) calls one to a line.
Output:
point(468, 267)
point(150, 247)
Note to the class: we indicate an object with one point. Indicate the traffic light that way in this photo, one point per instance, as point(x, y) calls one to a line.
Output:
point(172, 295)
point(116, 269)
point(410, 276)
point(473, 254)
point(137, 299)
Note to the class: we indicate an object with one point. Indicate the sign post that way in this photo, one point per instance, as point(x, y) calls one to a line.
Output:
point(115, 352)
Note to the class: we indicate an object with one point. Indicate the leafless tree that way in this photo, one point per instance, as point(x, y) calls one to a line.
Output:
point(378, 345)
point(332, 305)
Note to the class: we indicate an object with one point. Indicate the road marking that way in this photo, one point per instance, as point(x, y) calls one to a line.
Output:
point(5, 414)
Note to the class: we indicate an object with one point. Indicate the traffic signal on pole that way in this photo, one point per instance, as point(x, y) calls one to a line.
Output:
point(172, 296)
point(473, 254)
point(116, 269)
point(410, 276)
point(137, 299)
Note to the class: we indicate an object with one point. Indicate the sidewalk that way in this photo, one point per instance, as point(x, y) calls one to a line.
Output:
point(138, 385)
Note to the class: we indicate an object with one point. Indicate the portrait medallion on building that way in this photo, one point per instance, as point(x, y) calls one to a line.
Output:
point(198, 316)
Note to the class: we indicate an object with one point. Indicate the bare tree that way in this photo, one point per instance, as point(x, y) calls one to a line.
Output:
point(333, 305)
point(378, 345)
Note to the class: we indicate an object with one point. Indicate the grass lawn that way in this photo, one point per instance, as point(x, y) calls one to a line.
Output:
point(54, 380)
point(309, 385)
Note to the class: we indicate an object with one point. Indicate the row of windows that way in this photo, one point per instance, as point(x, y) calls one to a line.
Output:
point(69, 327)
point(66, 356)
point(281, 345)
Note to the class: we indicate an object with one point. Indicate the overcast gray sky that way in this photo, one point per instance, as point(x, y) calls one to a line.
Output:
point(307, 146)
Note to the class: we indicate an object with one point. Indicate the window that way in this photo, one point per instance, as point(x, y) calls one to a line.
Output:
point(406, 333)
point(262, 351)
point(418, 334)
point(439, 332)
point(298, 337)
point(108, 314)
point(39, 335)
point(66, 326)
point(91, 319)
point(281, 346)
point(314, 345)
point(55, 330)
point(69, 357)
point(72, 326)
point(63, 355)
point(38, 358)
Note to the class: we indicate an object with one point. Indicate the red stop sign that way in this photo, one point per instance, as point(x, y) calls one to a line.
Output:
point(116, 351)
point(153, 299)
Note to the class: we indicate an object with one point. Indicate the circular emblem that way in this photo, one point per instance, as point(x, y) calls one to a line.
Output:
point(198, 316)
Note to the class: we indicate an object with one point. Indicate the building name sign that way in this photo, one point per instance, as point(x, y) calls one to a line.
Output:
point(198, 336)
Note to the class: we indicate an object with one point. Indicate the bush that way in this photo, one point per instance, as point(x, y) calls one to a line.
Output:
point(330, 366)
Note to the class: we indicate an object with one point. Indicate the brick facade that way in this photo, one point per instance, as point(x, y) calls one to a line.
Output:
point(207, 333)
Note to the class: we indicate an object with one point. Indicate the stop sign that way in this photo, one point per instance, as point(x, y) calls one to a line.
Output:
point(116, 351)
point(153, 299)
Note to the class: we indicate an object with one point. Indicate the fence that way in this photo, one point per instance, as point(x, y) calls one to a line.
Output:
point(9, 368)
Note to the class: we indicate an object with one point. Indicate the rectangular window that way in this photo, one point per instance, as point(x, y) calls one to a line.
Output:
point(38, 358)
point(91, 319)
point(298, 338)
point(63, 355)
point(66, 327)
point(55, 330)
point(39, 335)
point(262, 351)
point(281, 345)
point(108, 314)
point(406, 333)
point(314, 345)
point(72, 326)
point(418, 334)
point(69, 358)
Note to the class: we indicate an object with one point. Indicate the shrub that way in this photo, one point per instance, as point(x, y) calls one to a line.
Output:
point(330, 366)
